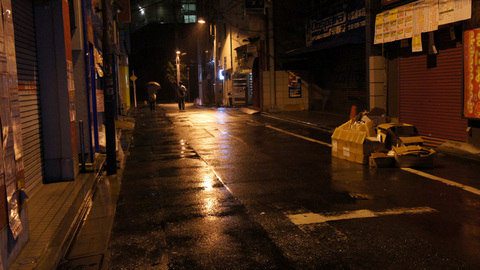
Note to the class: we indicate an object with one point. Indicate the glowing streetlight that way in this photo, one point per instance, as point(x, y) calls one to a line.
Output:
point(177, 61)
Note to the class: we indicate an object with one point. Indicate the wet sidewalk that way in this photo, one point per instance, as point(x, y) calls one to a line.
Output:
point(55, 212)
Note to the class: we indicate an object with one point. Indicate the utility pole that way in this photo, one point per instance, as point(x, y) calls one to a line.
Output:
point(109, 95)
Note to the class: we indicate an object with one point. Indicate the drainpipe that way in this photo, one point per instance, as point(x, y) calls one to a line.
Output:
point(271, 57)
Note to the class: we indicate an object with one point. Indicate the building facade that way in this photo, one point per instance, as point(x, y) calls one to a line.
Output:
point(410, 58)
point(51, 76)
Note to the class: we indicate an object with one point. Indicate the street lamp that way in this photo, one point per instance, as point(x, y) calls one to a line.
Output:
point(177, 61)
point(201, 22)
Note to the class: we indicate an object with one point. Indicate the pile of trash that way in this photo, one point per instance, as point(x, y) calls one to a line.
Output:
point(369, 139)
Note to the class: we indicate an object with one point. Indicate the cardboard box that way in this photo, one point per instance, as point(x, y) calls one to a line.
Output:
point(414, 161)
point(353, 145)
point(376, 116)
point(382, 160)
point(335, 138)
point(415, 156)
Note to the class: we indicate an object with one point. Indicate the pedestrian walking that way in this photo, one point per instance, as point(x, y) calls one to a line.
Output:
point(152, 88)
point(181, 94)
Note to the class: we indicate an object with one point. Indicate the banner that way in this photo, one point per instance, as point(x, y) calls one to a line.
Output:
point(471, 104)
point(343, 23)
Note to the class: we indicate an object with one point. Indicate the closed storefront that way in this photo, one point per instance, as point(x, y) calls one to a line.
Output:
point(28, 86)
point(339, 79)
point(430, 86)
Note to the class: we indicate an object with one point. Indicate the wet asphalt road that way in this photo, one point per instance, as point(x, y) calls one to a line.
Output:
point(220, 189)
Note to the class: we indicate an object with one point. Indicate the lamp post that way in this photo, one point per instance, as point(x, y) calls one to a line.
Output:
point(215, 94)
point(177, 62)
point(214, 77)
point(200, 21)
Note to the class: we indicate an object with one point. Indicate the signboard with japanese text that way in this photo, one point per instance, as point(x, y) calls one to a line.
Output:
point(454, 11)
point(471, 104)
point(413, 19)
point(342, 23)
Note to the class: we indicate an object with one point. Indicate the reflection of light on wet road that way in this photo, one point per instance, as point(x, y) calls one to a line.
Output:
point(209, 199)
point(209, 206)
point(208, 180)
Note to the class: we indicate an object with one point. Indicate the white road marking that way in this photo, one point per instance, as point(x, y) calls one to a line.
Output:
point(443, 180)
point(300, 136)
point(312, 218)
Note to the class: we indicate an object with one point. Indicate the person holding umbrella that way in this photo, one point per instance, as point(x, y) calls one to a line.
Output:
point(152, 88)
point(181, 95)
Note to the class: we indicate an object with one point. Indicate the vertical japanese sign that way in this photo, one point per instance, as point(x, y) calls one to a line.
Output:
point(471, 104)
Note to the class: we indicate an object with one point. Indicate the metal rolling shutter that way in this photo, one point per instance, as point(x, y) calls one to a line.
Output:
point(27, 68)
point(430, 90)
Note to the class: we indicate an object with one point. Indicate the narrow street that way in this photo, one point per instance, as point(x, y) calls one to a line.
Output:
point(215, 188)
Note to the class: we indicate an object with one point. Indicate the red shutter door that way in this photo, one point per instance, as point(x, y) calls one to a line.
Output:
point(430, 91)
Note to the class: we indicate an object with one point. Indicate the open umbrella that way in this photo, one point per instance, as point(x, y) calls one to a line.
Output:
point(152, 88)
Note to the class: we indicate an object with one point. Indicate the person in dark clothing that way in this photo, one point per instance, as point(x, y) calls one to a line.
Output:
point(152, 88)
point(181, 95)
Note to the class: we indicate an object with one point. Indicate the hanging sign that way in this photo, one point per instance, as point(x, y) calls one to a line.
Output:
point(471, 103)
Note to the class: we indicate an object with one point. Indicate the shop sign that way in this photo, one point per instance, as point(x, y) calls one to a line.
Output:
point(343, 23)
point(471, 104)
point(294, 85)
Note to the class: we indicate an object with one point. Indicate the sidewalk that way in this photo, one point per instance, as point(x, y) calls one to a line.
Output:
point(55, 212)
